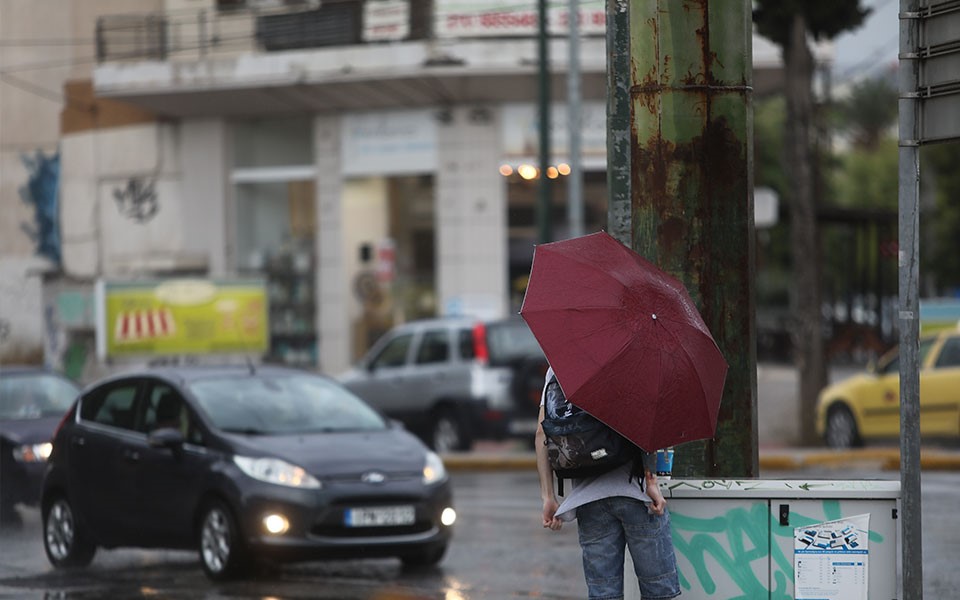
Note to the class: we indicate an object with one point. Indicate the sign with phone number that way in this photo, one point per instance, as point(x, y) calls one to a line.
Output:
point(492, 18)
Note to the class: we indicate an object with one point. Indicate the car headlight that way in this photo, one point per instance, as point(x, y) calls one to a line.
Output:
point(433, 469)
point(279, 472)
point(33, 453)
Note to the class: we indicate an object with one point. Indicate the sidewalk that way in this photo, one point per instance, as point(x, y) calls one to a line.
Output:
point(779, 459)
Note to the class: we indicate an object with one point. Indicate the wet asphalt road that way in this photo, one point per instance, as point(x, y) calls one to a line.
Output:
point(499, 551)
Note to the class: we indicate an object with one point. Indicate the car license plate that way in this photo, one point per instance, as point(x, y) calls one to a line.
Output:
point(380, 516)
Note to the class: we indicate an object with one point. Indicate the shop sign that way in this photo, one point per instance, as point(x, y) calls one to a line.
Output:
point(386, 20)
point(389, 143)
point(520, 129)
point(386, 260)
point(494, 18)
point(181, 316)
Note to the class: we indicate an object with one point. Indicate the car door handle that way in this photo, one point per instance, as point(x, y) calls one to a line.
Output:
point(131, 456)
point(78, 441)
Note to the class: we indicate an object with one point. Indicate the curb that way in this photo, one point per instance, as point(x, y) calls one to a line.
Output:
point(886, 459)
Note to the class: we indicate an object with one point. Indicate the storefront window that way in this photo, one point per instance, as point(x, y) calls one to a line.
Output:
point(274, 192)
point(523, 197)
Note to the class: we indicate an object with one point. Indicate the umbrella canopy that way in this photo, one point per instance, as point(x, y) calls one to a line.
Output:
point(625, 340)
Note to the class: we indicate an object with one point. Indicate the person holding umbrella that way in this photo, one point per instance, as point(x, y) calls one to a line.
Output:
point(628, 346)
point(614, 511)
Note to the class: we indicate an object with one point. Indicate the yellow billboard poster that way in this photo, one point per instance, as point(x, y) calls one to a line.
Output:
point(181, 316)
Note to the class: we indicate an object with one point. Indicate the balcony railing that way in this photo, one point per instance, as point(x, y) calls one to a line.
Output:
point(236, 28)
point(241, 26)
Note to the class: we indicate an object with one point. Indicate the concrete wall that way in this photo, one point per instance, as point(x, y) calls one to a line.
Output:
point(21, 315)
point(471, 215)
point(123, 213)
point(30, 103)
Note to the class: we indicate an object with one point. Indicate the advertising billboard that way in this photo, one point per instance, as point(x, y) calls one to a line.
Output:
point(181, 316)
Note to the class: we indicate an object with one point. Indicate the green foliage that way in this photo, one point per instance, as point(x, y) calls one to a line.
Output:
point(868, 178)
point(768, 123)
point(773, 244)
point(869, 112)
point(941, 257)
point(825, 19)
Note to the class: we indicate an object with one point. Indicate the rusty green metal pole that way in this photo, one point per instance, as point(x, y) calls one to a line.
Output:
point(691, 192)
point(618, 121)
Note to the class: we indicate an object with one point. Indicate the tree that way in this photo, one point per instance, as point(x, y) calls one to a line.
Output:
point(790, 24)
point(941, 260)
point(869, 112)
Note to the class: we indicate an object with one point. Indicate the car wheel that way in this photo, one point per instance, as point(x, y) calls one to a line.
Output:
point(448, 433)
point(426, 557)
point(64, 540)
point(220, 545)
point(841, 431)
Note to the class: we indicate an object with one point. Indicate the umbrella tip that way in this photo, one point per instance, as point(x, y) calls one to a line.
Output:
point(654, 315)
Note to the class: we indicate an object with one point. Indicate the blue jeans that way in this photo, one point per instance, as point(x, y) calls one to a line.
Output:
point(607, 526)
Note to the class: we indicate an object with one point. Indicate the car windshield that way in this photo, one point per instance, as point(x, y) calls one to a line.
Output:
point(35, 395)
point(891, 363)
point(283, 404)
point(510, 341)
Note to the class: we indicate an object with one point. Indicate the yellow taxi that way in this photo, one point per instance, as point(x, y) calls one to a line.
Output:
point(867, 406)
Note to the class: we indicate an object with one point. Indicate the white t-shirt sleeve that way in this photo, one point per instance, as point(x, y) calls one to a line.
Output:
point(546, 379)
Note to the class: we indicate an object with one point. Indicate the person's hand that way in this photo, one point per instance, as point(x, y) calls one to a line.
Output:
point(658, 503)
point(550, 520)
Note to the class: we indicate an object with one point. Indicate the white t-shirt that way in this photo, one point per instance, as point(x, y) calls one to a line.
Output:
point(582, 491)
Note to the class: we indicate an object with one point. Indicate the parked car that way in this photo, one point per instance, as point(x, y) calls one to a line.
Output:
point(867, 406)
point(241, 464)
point(455, 380)
point(32, 401)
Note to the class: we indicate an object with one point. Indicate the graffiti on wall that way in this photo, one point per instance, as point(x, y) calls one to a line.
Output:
point(137, 200)
point(41, 192)
point(738, 543)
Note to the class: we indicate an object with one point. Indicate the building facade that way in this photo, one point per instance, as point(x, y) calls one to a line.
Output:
point(369, 160)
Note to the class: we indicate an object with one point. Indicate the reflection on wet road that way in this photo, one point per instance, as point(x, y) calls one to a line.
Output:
point(499, 551)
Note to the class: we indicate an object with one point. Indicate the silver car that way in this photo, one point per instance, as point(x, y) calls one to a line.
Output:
point(456, 380)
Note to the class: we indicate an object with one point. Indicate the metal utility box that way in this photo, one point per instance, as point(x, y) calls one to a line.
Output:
point(742, 539)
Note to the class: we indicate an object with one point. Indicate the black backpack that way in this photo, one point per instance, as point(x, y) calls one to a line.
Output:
point(579, 445)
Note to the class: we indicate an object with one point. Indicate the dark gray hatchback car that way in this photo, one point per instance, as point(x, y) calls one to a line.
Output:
point(240, 464)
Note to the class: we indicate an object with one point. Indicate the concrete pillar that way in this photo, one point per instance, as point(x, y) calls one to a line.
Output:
point(332, 316)
point(204, 191)
point(471, 222)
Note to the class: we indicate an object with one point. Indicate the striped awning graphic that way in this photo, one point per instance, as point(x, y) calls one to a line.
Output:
point(139, 325)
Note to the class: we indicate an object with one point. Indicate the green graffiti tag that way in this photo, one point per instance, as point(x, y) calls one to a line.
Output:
point(740, 542)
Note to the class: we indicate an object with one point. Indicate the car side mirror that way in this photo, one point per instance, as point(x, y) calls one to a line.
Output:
point(165, 437)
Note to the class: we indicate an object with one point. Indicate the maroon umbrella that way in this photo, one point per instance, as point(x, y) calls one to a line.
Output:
point(625, 340)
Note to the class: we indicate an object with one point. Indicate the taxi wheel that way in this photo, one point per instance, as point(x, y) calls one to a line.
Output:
point(841, 432)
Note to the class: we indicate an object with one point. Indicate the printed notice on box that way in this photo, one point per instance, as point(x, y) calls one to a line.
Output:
point(831, 559)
